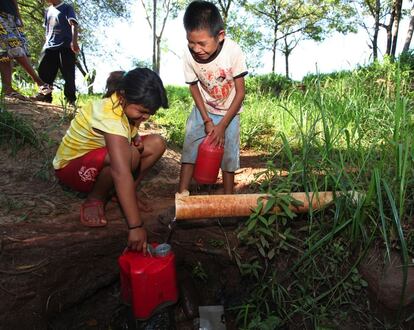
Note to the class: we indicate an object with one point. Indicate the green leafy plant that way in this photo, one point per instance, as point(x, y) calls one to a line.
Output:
point(198, 272)
point(16, 132)
point(349, 133)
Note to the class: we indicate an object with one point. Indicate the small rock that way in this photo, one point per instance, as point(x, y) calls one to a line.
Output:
point(385, 279)
point(30, 203)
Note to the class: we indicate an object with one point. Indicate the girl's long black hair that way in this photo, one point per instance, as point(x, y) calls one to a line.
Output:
point(139, 86)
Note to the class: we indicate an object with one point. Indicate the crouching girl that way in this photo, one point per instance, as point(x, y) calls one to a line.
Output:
point(102, 149)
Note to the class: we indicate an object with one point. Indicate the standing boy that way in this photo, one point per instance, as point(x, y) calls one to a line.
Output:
point(214, 68)
point(60, 49)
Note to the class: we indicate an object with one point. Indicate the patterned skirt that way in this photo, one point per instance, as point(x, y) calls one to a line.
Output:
point(13, 43)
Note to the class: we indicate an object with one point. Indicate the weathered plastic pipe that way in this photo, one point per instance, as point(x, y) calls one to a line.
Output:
point(221, 206)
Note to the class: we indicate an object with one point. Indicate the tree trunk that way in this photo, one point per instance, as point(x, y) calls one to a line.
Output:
point(154, 36)
point(158, 60)
point(274, 48)
point(396, 26)
point(376, 30)
point(224, 8)
point(287, 53)
point(389, 32)
point(287, 65)
point(409, 32)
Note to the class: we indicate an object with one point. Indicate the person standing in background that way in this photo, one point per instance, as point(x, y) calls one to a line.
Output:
point(13, 46)
point(60, 49)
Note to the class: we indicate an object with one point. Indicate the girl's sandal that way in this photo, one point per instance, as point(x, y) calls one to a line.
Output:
point(98, 206)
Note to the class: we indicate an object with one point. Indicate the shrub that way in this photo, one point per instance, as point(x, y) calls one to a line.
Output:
point(272, 84)
point(406, 60)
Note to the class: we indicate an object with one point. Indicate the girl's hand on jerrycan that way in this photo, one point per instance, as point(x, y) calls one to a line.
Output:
point(137, 240)
point(208, 162)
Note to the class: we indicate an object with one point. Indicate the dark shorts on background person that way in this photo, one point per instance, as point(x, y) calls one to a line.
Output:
point(53, 60)
point(13, 43)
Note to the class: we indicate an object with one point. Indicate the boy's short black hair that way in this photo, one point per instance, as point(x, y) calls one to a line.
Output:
point(203, 15)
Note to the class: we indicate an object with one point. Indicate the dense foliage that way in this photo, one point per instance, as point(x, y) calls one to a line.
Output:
point(350, 133)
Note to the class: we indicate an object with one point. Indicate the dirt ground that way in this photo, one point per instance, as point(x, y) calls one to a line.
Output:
point(36, 212)
point(31, 194)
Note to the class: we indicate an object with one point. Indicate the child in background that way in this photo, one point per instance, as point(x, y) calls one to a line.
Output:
point(60, 49)
point(214, 68)
point(13, 46)
point(102, 149)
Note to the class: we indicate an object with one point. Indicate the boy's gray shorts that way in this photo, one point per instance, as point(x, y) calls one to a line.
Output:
point(194, 134)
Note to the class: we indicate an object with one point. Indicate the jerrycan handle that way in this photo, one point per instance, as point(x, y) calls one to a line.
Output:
point(161, 250)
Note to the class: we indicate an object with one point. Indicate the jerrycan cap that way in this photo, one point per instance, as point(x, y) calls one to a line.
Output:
point(161, 250)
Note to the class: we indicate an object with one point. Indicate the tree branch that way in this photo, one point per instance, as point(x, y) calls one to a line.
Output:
point(165, 18)
point(146, 14)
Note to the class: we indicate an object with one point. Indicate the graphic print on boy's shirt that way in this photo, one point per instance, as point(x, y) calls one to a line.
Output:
point(215, 79)
point(217, 82)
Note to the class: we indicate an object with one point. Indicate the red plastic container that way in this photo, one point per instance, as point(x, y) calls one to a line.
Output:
point(208, 162)
point(148, 283)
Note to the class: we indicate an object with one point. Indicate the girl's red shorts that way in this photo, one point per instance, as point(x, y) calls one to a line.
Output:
point(81, 173)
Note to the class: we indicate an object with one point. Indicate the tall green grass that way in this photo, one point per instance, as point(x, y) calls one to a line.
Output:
point(174, 118)
point(348, 133)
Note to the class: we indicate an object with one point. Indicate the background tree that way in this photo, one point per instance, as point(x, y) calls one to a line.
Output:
point(95, 15)
point(224, 7)
point(32, 12)
point(386, 14)
point(242, 28)
point(314, 19)
point(396, 19)
point(290, 42)
point(257, 25)
point(377, 11)
point(409, 31)
point(157, 14)
point(92, 15)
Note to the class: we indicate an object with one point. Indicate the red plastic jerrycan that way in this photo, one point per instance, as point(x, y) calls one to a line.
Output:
point(149, 282)
point(208, 162)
